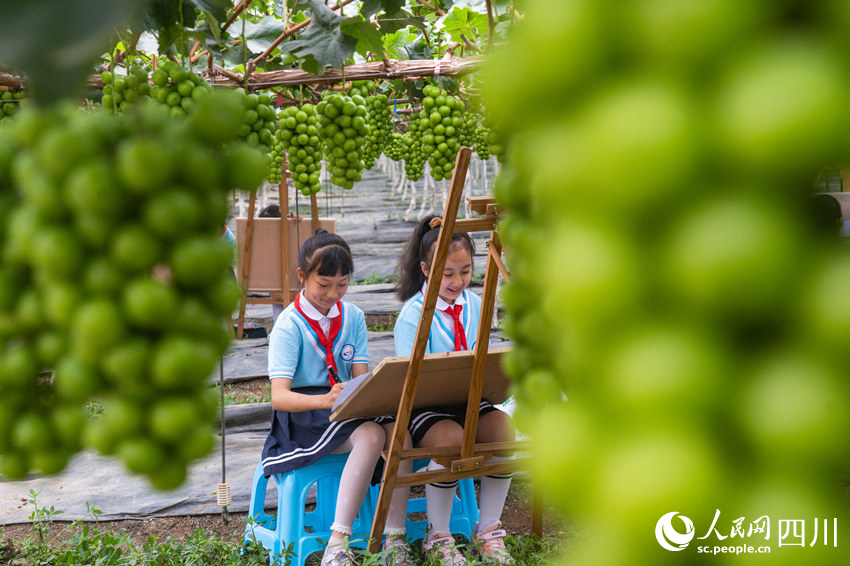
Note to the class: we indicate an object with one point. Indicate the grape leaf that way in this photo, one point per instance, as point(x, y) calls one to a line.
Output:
point(372, 7)
point(390, 23)
point(162, 15)
point(465, 21)
point(216, 8)
point(56, 44)
point(367, 35)
point(395, 43)
point(323, 43)
point(259, 36)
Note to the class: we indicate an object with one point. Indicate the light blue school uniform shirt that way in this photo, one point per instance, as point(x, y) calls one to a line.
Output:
point(295, 351)
point(441, 337)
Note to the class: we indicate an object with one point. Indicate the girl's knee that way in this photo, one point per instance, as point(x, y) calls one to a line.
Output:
point(444, 433)
point(495, 426)
point(370, 432)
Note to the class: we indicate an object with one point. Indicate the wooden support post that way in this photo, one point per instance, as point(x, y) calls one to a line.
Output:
point(283, 198)
point(536, 506)
point(497, 259)
point(246, 263)
point(406, 402)
point(482, 344)
point(314, 210)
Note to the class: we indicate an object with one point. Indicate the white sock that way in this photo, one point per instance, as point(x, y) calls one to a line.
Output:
point(438, 499)
point(494, 491)
point(365, 445)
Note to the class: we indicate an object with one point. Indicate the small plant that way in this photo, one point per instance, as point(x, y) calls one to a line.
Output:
point(41, 517)
point(376, 279)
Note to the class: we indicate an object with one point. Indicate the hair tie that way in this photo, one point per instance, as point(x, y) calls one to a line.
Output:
point(436, 221)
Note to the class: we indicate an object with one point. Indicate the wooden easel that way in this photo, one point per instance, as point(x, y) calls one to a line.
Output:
point(280, 296)
point(467, 460)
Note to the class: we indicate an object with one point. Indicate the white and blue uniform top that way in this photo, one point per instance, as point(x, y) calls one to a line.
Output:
point(441, 336)
point(295, 351)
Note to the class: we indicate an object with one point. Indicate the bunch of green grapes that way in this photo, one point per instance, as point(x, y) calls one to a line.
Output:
point(299, 134)
point(414, 158)
point(668, 276)
point(395, 147)
point(177, 88)
point(114, 275)
point(122, 92)
point(380, 125)
point(439, 125)
point(361, 88)
point(10, 103)
point(276, 161)
point(468, 129)
point(497, 145)
point(481, 140)
point(259, 120)
point(342, 124)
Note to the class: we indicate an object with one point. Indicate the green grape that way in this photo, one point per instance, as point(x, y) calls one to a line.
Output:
point(481, 139)
point(10, 102)
point(665, 272)
point(176, 89)
point(97, 294)
point(342, 123)
point(414, 157)
point(380, 125)
point(275, 169)
point(395, 147)
point(122, 92)
point(300, 135)
point(440, 125)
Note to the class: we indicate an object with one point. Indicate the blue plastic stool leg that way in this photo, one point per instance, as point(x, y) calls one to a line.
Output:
point(306, 531)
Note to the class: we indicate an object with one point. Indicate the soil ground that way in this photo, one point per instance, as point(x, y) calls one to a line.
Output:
point(516, 519)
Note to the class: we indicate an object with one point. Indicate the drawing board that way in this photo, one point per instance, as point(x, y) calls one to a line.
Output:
point(265, 249)
point(443, 380)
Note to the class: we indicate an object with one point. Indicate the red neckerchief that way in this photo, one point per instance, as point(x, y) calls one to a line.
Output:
point(460, 333)
point(326, 341)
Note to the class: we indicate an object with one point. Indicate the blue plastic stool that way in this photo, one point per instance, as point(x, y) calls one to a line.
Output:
point(291, 523)
point(464, 508)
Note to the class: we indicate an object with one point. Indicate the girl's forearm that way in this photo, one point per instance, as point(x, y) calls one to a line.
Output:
point(290, 401)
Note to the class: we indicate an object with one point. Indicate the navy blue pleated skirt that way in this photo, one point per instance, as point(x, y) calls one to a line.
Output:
point(299, 439)
point(421, 420)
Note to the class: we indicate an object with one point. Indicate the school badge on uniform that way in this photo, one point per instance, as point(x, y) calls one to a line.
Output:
point(347, 352)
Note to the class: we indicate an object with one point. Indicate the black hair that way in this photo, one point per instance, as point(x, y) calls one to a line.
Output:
point(271, 211)
point(326, 254)
point(420, 247)
point(826, 212)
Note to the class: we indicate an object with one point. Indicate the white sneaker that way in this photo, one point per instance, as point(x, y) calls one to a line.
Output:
point(442, 545)
point(336, 555)
point(398, 552)
point(489, 545)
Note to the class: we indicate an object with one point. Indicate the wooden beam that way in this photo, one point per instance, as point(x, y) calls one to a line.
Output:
point(375, 70)
point(246, 263)
point(314, 210)
point(482, 344)
point(422, 478)
point(497, 259)
point(482, 448)
point(484, 224)
point(283, 203)
point(479, 204)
